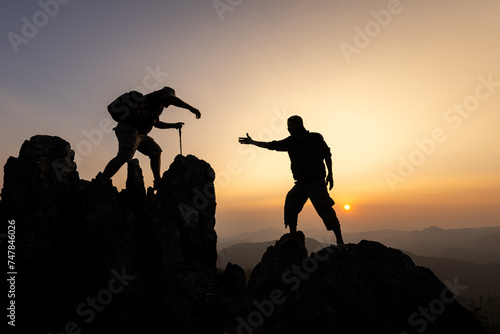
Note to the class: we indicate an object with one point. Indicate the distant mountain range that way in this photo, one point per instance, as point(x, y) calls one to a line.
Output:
point(470, 255)
point(480, 279)
point(481, 245)
point(248, 254)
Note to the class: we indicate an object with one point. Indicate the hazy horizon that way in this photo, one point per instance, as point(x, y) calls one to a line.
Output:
point(322, 231)
point(405, 93)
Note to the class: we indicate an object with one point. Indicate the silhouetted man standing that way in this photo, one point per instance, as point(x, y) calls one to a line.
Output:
point(307, 151)
point(133, 136)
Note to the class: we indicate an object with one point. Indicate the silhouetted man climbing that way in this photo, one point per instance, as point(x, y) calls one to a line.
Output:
point(307, 151)
point(133, 135)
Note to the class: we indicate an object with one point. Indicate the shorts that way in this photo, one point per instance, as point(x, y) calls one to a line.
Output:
point(318, 194)
point(129, 141)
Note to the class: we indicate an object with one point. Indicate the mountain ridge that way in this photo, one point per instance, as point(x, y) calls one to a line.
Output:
point(485, 241)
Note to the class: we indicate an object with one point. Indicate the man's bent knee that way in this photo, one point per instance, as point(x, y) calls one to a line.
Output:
point(155, 154)
point(125, 156)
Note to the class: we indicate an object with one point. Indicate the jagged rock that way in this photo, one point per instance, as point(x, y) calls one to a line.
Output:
point(285, 254)
point(40, 194)
point(77, 240)
point(135, 192)
point(366, 288)
point(40, 186)
point(188, 191)
point(233, 279)
point(188, 299)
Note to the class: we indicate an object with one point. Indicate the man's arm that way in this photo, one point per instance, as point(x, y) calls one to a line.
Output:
point(163, 125)
point(249, 141)
point(168, 100)
point(329, 177)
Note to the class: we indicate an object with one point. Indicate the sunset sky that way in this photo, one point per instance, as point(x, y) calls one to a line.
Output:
point(406, 94)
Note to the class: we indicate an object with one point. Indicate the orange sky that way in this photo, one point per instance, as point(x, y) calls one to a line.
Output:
point(406, 94)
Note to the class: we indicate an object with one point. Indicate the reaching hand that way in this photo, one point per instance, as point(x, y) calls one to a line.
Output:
point(329, 180)
point(247, 140)
point(196, 112)
point(178, 125)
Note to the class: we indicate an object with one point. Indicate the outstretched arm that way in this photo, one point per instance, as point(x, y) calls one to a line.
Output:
point(168, 100)
point(249, 141)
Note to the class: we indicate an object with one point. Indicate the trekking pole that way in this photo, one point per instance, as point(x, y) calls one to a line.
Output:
point(180, 140)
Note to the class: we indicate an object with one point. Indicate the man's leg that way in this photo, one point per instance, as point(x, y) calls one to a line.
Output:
point(113, 167)
point(334, 222)
point(128, 141)
point(295, 200)
point(150, 148)
point(323, 203)
point(156, 166)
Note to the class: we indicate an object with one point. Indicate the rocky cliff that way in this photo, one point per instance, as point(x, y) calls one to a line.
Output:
point(93, 259)
point(90, 259)
point(362, 288)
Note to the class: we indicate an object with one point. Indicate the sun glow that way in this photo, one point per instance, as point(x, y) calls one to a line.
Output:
point(347, 207)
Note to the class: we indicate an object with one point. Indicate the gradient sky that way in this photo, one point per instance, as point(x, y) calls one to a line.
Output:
point(406, 94)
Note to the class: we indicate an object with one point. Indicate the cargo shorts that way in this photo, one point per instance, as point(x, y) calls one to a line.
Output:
point(318, 194)
point(129, 141)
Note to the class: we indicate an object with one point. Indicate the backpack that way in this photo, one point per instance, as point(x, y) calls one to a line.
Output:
point(125, 108)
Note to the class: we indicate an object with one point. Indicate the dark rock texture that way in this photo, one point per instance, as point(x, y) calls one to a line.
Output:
point(363, 288)
point(94, 260)
point(266, 275)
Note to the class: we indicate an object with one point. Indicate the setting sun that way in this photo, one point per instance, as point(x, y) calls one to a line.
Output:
point(347, 207)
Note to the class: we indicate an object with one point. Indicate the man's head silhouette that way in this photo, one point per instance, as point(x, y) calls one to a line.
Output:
point(295, 125)
point(168, 90)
